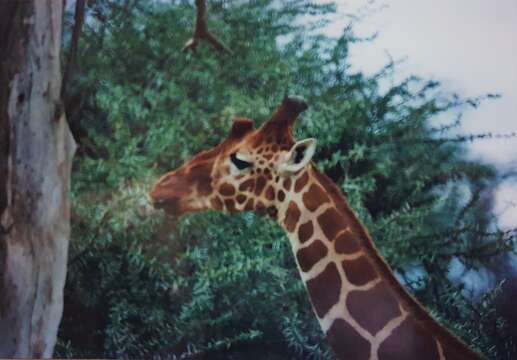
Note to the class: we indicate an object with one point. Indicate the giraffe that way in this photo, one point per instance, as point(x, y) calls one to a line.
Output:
point(363, 310)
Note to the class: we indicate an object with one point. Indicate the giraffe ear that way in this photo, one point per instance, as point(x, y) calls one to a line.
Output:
point(299, 156)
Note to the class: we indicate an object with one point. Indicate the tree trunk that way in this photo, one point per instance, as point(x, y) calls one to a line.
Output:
point(36, 150)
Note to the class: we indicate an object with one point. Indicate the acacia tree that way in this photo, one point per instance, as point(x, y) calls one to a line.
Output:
point(36, 149)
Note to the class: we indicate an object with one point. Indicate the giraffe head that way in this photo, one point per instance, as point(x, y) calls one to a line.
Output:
point(252, 169)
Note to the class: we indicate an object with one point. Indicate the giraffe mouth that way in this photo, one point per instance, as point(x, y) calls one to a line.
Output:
point(159, 204)
point(170, 206)
point(166, 195)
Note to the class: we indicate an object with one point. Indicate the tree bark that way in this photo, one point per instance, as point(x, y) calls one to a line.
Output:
point(36, 150)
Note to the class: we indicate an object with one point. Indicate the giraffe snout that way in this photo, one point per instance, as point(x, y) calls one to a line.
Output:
point(165, 201)
point(167, 193)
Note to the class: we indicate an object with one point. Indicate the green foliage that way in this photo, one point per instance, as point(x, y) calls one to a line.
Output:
point(141, 285)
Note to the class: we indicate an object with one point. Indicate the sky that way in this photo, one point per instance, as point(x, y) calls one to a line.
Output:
point(470, 46)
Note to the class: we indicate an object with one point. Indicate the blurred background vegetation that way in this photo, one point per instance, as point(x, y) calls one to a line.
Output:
point(215, 286)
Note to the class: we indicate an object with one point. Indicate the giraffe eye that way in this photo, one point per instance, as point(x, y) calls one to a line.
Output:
point(239, 164)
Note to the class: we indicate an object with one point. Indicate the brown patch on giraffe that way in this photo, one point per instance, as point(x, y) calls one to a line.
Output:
point(292, 215)
point(408, 340)
point(227, 189)
point(272, 212)
point(346, 243)
point(268, 156)
point(287, 184)
point(314, 197)
point(200, 174)
point(331, 189)
point(217, 204)
point(310, 255)
point(270, 193)
point(247, 185)
point(259, 185)
point(274, 148)
point(374, 308)
point(305, 231)
point(260, 207)
point(249, 205)
point(301, 182)
point(331, 223)
point(359, 271)
point(346, 342)
point(230, 205)
point(240, 199)
point(324, 289)
point(281, 195)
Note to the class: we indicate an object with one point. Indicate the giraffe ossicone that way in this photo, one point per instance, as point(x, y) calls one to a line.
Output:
point(363, 310)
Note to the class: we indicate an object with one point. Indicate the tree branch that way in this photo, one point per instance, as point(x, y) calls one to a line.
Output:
point(78, 24)
point(201, 31)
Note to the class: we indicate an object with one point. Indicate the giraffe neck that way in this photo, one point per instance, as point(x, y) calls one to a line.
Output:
point(363, 310)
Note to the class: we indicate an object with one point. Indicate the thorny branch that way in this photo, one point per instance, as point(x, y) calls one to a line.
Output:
point(201, 31)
